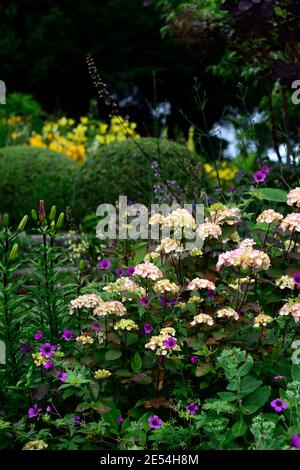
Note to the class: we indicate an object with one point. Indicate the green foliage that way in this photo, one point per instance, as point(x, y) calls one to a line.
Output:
point(30, 174)
point(125, 168)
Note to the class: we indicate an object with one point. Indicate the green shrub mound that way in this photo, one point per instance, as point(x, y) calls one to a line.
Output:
point(125, 168)
point(29, 174)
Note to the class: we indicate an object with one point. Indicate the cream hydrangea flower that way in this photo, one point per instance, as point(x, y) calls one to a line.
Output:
point(202, 318)
point(102, 374)
point(198, 283)
point(148, 271)
point(291, 308)
point(227, 313)
point(195, 252)
point(291, 222)
point(111, 307)
point(84, 339)
point(125, 324)
point(169, 245)
point(164, 285)
point(285, 282)
point(125, 287)
point(237, 284)
point(269, 216)
point(163, 343)
point(156, 219)
point(209, 230)
point(262, 320)
point(38, 444)
point(85, 301)
point(221, 214)
point(293, 197)
point(180, 218)
point(244, 257)
point(195, 299)
point(151, 256)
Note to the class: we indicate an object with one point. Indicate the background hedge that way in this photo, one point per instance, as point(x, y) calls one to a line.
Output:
point(28, 174)
point(124, 168)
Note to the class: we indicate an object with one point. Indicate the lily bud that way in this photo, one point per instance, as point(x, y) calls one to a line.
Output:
point(22, 224)
point(34, 215)
point(14, 252)
point(52, 213)
point(60, 220)
point(42, 211)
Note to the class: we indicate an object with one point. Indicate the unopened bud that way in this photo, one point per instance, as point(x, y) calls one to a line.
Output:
point(34, 215)
point(60, 220)
point(42, 211)
point(14, 252)
point(81, 265)
point(52, 213)
point(22, 224)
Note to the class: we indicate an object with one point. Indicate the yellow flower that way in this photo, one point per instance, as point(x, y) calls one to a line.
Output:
point(102, 374)
point(38, 359)
point(38, 444)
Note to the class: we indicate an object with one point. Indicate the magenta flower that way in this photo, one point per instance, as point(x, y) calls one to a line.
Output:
point(164, 300)
point(61, 375)
point(48, 409)
point(211, 293)
point(192, 408)
point(130, 270)
point(279, 405)
point(144, 301)
point(34, 412)
point(147, 328)
point(296, 278)
point(120, 420)
point(120, 272)
point(155, 422)
point(259, 176)
point(105, 264)
point(95, 326)
point(48, 365)
point(295, 441)
point(47, 350)
point(278, 377)
point(194, 359)
point(170, 343)
point(38, 335)
point(67, 335)
point(265, 169)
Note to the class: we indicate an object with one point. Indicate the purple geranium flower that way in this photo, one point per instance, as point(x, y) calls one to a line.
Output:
point(211, 292)
point(170, 343)
point(259, 176)
point(147, 328)
point(48, 365)
point(296, 278)
point(265, 169)
point(295, 441)
point(144, 301)
point(105, 264)
point(130, 270)
point(47, 350)
point(26, 348)
point(278, 377)
point(38, 335)
point(77, 421)
point(67, 335)
point(240, 312)
point(120, 272)
point(120, 420)
point(155, 422)
point(61, 375)
point(279, 405)
point(34, 412)
point(192, 408)
point(48, 409)
point(95, 326)
point(194, 359)
point(231, 189)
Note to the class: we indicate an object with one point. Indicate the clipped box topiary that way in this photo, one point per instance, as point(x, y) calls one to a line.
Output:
point(29, 174)
point(126, 168)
